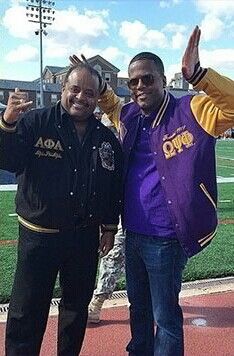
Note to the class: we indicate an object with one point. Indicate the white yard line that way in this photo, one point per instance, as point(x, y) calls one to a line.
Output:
point(219, 166)
point(226, 158)
point(13, 187)
point(8, 187)
point(225, 180)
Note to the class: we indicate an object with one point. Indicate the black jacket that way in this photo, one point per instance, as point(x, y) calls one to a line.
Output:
point(49, 172)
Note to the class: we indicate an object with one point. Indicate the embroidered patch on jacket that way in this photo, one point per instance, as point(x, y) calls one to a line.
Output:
point(107, 156)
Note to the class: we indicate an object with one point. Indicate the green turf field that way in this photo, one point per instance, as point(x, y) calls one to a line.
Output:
point(225, 158)
point(215, 261)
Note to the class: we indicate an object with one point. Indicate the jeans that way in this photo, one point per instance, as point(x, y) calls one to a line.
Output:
point(40, 257)
point(154, 269)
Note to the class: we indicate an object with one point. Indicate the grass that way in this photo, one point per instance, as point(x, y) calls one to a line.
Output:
point(9, 225)
point(215, 261)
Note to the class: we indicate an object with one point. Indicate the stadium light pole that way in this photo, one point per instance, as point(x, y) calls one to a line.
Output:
point(41, 12)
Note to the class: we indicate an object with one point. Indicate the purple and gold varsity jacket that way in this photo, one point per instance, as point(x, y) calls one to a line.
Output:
point(182, 138)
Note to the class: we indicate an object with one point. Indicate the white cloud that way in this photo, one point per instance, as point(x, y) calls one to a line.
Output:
point(173, 27)
point(178, 41)
point(137, 35)
point(16, 22)
point(54, 49)
point(79, 26)
point(132, 32)
point(219, 59)
point(211, 27)
point(218, 16)
point(23, 53)
point(70, 30)
point(112, 54)
point(217, 7)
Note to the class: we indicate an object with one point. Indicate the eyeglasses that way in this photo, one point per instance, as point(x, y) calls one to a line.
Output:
point(147, 80)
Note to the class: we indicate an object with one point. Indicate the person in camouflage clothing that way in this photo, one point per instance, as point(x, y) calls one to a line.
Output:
point(111, 268)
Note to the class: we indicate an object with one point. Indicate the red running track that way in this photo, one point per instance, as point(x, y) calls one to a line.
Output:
point(212, 334)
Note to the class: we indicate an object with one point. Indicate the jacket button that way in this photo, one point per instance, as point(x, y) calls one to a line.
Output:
point(71, 193)
point(169, 202)
point(69, 147)
point(163, 178)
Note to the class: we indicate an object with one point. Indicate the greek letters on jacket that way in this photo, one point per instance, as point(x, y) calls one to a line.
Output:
point(41, 154)
point(182, 140)
point(185, 159)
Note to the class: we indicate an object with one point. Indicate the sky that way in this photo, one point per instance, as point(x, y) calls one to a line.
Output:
point(117, 30)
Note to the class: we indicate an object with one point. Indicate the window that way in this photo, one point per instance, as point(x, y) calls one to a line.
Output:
point(54, 98)
point(38, 100)
point(98, 68)
point(1, 95)
point(107, 77)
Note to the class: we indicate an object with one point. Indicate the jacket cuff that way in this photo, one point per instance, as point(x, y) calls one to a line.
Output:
point(6, 126)
point(109, 228)
point(198, 74)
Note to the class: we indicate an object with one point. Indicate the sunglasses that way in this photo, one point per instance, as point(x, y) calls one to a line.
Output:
point(147, 80)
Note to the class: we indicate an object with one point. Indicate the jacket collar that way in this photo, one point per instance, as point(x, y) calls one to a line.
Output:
point(162, 109)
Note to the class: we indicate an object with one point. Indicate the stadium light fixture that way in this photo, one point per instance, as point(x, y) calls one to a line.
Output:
point(41, 12)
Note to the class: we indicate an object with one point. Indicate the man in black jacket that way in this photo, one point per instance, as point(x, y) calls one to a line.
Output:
point(68, 167)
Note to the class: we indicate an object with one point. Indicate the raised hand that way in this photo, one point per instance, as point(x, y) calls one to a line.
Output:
point(106, 243)
point(16, 105)
point(76, 60)
point(191, 55)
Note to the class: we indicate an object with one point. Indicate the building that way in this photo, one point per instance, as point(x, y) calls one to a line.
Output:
point(178, 82)
point(53, 77)
point(51, 91)
point(107, 70)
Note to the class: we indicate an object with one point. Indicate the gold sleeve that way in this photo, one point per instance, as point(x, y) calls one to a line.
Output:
point(11, 128)
point(111, 104)
point(215, 110)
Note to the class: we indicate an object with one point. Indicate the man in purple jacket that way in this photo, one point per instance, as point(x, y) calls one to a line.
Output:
point(170, 188)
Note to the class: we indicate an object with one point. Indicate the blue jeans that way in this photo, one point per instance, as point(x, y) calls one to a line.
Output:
point(154, 269)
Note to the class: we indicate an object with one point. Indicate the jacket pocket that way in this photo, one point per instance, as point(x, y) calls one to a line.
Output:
point(205, 191)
